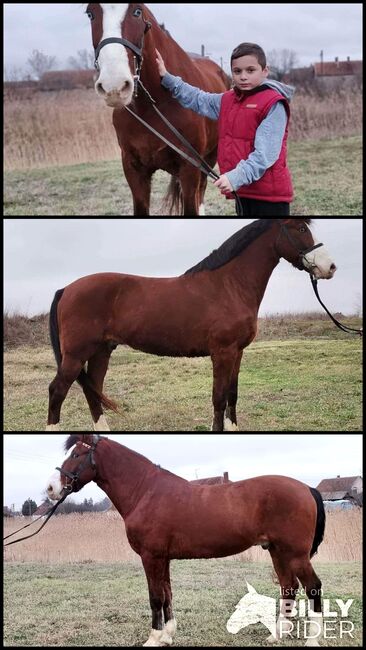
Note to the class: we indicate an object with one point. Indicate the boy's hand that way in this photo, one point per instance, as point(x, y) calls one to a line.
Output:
point(161, 64)
point(224, 184)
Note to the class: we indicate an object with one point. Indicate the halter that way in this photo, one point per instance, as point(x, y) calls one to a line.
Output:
point(73, 476)
point(138, 53)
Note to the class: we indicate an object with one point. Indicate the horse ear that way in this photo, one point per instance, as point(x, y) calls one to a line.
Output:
point(251, 589)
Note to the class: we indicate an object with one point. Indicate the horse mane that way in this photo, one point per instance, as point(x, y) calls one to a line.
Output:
point(71, 441)
point(235, 245)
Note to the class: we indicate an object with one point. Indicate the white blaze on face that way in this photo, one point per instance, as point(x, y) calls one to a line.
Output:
point(54, 487)
point(115, 81)
point(320, 264)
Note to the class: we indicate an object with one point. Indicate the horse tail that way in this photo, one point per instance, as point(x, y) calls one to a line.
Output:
point(83, 378)
point(85, 382)
point(54, 331)
point(320, 521)
point(173, 201)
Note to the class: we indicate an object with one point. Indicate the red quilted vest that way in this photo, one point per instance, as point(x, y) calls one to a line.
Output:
point(239, 119)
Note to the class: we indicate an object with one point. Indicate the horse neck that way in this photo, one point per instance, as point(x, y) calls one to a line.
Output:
point(149, 74)
point(121, 474)
point(255, 265)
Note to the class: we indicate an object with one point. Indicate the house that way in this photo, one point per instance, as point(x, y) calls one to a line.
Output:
point(213, 480)
point(339, 489)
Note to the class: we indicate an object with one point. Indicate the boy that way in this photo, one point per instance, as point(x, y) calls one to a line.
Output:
point(253, 128)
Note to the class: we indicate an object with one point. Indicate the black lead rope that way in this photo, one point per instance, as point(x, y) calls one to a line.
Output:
point(49, 512)
point(344, 328)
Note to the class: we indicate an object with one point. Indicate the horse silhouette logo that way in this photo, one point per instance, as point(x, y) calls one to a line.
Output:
point(253, 608)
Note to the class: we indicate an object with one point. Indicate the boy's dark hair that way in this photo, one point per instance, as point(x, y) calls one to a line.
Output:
point(250, 48)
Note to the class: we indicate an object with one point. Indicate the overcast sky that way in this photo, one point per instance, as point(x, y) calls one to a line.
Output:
point(43, 255)
point(61, 29)
point(30, 459)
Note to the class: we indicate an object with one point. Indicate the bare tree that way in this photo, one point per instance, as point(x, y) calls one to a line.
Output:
point(16, 73)
point(40, 63)
point(83, 61)
point(281, 62)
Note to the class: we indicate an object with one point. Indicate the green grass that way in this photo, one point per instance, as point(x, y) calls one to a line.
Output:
point(326, 174)
point(293, 385)
point(107, 605)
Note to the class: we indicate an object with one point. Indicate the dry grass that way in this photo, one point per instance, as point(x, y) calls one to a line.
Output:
point(75, 126)
point(101, 538)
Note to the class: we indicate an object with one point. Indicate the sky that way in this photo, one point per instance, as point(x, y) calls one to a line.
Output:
point(43, 255)
point(30, 459)
point(61, 29)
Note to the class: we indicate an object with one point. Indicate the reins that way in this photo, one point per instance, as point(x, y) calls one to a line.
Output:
point(344, 328)
point(49, 512)
point(200, 163)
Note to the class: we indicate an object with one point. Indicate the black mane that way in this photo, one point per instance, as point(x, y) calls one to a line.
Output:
point(233, 246)
point(71, 441)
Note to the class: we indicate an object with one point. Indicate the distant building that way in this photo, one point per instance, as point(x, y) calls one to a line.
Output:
point(342, 490)
point(213, 480)
point(329, 74)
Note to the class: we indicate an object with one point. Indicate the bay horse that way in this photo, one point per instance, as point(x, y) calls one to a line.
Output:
point(167, 517)
point(211, 310)
point(125, 37)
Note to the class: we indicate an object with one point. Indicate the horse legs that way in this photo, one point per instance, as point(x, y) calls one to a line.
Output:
point(97, 368)
point(190, 182)
point(313, 588)
point(289, 586)
point(158, 580)
point(59, 387)
point(224, 362)
point(140, 186)
point(231, 422)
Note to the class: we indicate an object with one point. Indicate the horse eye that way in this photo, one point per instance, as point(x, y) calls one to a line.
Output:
point(302, 229)
point(90, 15)
point(137, 13)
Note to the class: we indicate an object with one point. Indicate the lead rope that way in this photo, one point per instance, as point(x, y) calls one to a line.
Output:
point(344, 328)
point(49, 512)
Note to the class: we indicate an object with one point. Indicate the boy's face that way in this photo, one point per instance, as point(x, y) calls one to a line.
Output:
point(247, 72)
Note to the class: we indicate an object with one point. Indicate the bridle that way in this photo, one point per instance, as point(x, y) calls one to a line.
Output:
point(137, 51)
point(75, 476)
point(68, 488)
point(302, 253)
point(199, 162)
point(311, 267)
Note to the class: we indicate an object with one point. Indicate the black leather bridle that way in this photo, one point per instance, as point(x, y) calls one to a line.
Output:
point(302, 253)
point(198, 161)
point(68, 488)
point(75, 476)
point(137, 51)
point(311, 267)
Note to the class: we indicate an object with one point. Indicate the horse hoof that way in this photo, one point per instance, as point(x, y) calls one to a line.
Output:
point(158, 639)
point(271, 639)
point(230, 426)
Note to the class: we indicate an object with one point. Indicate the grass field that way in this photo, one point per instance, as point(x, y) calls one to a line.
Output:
point(291, 385)
point(107, 605)
point(79, 583)
point(326, 174)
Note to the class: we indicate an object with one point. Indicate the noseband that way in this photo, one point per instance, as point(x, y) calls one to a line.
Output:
point(302, 253)
point(137, 51)
point(74, 477)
